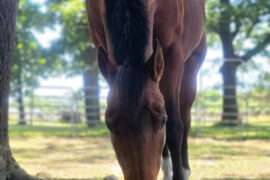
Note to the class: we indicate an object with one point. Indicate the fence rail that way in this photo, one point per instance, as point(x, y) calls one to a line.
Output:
point(70, 106)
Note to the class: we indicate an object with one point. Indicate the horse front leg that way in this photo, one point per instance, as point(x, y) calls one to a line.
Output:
point(170, 87)
point(174, 139)
point(187, 97)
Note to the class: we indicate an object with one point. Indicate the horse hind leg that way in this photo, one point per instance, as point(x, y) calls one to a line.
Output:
point(166, 164)
point(187, 97)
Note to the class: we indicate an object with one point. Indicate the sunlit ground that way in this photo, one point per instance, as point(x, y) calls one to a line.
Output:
point(57, 157)
point(216, 152)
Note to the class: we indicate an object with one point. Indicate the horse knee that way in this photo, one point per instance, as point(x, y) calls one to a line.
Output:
point(174, 124)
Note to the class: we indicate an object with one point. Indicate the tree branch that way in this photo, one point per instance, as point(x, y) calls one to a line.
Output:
point(237, 27)
point(250, 29)
point(225, 1)
point(260, 47)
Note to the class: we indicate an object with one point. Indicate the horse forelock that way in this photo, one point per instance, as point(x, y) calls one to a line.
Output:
point(131, 83)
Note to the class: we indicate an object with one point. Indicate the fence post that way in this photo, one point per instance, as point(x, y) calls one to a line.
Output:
point(76, 113)
point(73, 115)
point(32, 105)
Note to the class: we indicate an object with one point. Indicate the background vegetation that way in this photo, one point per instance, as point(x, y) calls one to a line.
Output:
point(48, 147)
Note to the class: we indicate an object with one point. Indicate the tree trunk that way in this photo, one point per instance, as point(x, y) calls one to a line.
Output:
point(228, 70)
point(9, 169)
point(91, 88)
point(230, 107)
point(20, 101)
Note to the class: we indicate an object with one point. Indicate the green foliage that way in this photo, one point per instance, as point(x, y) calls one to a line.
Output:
point(263, 84)
point(244, 22)
point(209, 100)
point(75, 40)
point(31, 61)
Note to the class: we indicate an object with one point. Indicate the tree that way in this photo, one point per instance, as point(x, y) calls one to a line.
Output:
point(263, 84)
point(30, 60)
point(75, 42)
point(243, 29)
point(9, 169)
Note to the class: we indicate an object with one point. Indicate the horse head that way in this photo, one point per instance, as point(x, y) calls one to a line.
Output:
point(136, 115)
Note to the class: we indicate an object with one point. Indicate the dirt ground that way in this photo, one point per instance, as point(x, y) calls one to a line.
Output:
point(93, 158)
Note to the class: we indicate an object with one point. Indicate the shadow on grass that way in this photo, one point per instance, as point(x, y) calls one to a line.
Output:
point(235, 179)
point(68, 179)
point(87, 179)
point(44, 176)
point(106, 178)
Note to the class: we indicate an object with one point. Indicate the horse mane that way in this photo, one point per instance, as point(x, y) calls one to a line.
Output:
point(127, 24)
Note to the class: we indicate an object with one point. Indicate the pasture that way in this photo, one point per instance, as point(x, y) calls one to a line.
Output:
point(62, 151)
point(58, 96)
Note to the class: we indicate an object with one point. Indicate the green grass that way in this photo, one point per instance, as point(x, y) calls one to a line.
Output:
point(60, 150)
point(226, 132)
point(94, 158)
point(208, 130)
point(57, 130)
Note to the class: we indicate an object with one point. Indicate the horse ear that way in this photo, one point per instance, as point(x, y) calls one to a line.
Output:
point(105, 66)
point(156, 63)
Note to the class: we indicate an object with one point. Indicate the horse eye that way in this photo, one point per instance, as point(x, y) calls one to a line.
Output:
point(163, 122)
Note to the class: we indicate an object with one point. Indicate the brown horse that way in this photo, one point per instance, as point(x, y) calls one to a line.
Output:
point(149, 53)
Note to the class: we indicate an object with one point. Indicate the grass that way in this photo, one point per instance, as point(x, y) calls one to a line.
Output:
point(252, 130)
point(57, 129)
point(245, 131)
point(93, 158)
point(62, 157)
point(220, 159)
point(216, 152)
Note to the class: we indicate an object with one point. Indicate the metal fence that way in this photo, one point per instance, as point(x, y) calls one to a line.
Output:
point(249, 107)
point(253, 108)
point(63, 104)
point(54, 104)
